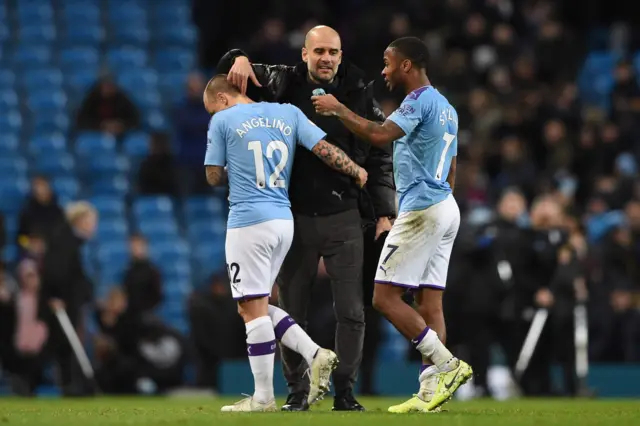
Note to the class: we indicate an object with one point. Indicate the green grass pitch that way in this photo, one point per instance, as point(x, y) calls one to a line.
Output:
point(184, 412)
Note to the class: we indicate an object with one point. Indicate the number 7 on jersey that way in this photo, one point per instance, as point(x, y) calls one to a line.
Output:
point(448, 139)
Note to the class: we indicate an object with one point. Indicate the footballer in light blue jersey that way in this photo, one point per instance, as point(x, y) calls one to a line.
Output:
point(257, 142)
point(418, 247)
point(422, 157)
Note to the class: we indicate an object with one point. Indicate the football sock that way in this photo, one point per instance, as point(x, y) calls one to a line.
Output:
point(428, 344)
point(292, 335)
point(261, 348)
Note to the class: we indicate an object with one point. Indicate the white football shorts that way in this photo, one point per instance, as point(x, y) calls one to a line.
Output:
point(254, 256)
point(418, 247)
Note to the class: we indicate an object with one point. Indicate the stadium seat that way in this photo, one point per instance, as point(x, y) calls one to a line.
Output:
point(60, 164)
point(173, 85)
point(114, 185)
point(12, 193)
point(10, 254)
point(93, 143)
point(126, 58)
point(202, 208)
point(132, 35)
point(210, 259)
point(109, 206)
point(55, 121)
point(107, 164)
point(154, 119)
point(66, 187)
point(209, 228)
point(80, 80)
point(112, 230)
point(178, 270)
point(136, 145)
point(10, 121)
point(7, 79)
point(8, 99)
point(30, 57)
point(80, 13)
point(177, 290)
point(46, 100)
point(8, 145)
point(152, 206)
point(37, 34)
point(40, 79)
point(48, 144)
point(158, 229)
point(11, 227)
point(31, 13)
point(12, 167)
point(172, 60)
point(175, 36)
point(82, 35)
point(133, 14)
point(113, 255)
point(147, 100)
point(172, 251)
point(79, 57)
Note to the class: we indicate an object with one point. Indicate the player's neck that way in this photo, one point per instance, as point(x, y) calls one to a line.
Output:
point(242, 100)
point(416, 83)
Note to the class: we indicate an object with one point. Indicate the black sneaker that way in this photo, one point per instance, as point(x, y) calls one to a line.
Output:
point(296, 402)
point(346, 402)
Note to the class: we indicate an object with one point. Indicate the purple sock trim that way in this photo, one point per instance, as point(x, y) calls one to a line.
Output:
point(282, 327)
point(259, 349)
point(424, 367)
point(418, 339)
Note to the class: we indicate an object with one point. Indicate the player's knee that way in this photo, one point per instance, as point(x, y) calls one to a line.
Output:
point(383, 298)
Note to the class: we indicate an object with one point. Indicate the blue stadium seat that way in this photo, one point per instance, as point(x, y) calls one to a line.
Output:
point(55, 121)
point(210, 258)
point(48, 144)
point(92, 143)
point(131, 35)
point(147, 100)
point(114, 185)
point(136, 145)
point(10, 254)
point(41, 79)
point(109, 206)
point(12, 167)
point(80, 13)
point(83, 35)
point(158, 229)
point(179, 270)
point(177, 290)
point(126, 58)
point(601, 61)
point(173, 85)
point(4, 30)
point(10, 121)
point(152, 206)
point(34, 13)
point(11, 227)
point(171, 251)
point(79, 57)
point(37, 34)
point(133, 14)
point(175, 36)
point(106, 164)
point(80, 80)
point(114, 229)
point(154, 119)
point(54, 165)
point(137, 80)
point(114, 256)
point(8, 145)
point(12, 193)
point(7, 79)
point(8, 99)
point(46, 100)
point(66, 187)
point(29, 57)
point(166, 13)
point(206, 228)
point(172, 60)
point(203, 208)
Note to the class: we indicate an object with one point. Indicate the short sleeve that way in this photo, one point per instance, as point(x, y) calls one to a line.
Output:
point(308, 133)
point(408, 115)
point(216, 144)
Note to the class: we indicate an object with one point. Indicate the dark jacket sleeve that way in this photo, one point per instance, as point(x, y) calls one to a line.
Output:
point(379, 166)
point(273, 78)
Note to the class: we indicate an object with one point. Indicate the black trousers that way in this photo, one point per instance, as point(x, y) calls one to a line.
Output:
point(338, 239)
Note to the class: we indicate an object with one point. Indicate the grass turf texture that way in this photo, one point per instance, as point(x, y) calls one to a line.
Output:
point(182, 412)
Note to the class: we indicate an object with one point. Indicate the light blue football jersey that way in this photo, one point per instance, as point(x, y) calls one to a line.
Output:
point(421, 159)
point(257, 143)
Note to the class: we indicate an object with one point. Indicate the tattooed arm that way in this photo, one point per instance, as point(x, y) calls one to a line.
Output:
point(216, 175)
point(338, 160)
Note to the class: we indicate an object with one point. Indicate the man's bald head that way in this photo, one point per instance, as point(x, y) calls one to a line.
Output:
point(322, 52)
point(220, 94)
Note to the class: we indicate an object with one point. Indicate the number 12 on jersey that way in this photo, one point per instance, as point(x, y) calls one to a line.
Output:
point(274, 181)
point(448, 139)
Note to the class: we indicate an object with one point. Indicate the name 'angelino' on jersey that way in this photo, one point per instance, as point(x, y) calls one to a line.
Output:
point(269, 123)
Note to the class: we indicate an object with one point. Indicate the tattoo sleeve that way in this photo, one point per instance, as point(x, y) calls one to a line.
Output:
point(216, 175)
point(336, 158)
point(375, 133)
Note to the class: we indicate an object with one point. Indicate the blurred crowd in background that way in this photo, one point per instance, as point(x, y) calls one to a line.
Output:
point(548, 183)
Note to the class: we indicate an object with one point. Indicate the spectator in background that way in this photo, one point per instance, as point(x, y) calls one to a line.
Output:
point(142, 280)
point(158, 173)
point(108, 109)
point(41, 213)
point(191, 122)
point(65, 285)
point(207, 310)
